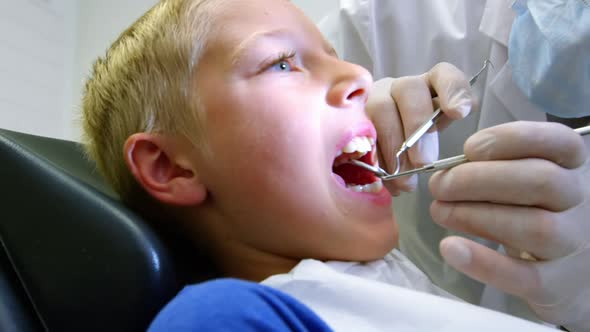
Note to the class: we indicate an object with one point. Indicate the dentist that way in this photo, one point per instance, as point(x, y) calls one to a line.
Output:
point(529, 189)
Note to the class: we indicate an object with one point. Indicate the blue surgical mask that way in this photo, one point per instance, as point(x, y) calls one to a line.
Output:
point(549, 51)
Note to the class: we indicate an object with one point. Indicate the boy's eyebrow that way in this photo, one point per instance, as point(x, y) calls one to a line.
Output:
point(238, 50)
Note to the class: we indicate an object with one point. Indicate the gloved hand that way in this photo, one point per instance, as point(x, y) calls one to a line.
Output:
point(398, 107)
point(526, 188)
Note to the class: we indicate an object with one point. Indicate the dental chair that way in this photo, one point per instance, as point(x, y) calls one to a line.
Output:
point(72, 257)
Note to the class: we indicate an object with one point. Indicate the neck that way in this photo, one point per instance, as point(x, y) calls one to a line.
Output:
point(240, 261)
point(232, 256)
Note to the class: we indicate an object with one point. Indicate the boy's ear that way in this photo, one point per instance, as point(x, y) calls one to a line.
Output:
point(158, 165)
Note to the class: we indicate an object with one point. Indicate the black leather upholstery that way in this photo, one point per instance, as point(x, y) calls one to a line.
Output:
point(73, 258)
point(16, 312)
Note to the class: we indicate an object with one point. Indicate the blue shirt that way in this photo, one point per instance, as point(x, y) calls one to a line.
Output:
point(234, 305)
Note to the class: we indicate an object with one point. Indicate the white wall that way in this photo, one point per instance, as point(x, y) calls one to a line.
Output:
point(47, 48)
point(36, 51)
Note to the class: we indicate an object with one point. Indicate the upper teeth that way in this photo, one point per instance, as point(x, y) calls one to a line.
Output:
point(360, 144)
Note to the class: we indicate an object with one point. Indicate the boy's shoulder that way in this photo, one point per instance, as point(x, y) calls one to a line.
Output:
point(235, 305)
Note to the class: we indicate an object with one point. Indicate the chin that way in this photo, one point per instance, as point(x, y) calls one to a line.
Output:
point(365, 249)
point(383, 238)
point(380, 251)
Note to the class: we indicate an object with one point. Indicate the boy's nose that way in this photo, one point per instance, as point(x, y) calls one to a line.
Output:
point(350, 86)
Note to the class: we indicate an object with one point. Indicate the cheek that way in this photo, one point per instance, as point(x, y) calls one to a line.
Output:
point(276, 178)
point(264, 148)
point(274, 132)
point(267, 145)
point(270, 175)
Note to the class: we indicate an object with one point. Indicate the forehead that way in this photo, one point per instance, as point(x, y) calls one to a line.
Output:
point(238, 22)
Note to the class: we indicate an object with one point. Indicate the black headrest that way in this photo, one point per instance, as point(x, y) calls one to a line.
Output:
point(73, 257)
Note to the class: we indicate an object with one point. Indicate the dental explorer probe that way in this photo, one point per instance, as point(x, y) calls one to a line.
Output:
point(435, 166)
point(423, 129)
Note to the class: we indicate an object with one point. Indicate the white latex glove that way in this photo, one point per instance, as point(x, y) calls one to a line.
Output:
point(399, 106)
point(524, 189)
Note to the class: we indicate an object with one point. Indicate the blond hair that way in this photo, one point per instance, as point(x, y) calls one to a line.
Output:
point(144, 84)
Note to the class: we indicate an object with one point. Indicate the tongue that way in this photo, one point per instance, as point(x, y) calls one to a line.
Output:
point(353, 174)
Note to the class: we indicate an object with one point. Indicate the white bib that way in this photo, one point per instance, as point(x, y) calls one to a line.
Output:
point(390, 294)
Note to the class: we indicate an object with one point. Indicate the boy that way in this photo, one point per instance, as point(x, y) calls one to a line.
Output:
point(237, 118)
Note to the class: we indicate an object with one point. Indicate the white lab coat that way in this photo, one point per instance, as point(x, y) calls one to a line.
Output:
point(398, 38)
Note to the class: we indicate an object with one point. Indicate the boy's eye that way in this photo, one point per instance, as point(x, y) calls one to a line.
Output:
point(282, 65)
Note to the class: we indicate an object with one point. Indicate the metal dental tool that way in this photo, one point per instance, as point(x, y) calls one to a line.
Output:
point(435, 166)
point(423, 129)
point(415, 137)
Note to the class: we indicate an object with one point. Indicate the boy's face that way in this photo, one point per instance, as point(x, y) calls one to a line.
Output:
point(280, 106)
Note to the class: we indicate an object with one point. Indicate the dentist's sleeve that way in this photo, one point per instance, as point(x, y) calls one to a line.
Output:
point(346, 30)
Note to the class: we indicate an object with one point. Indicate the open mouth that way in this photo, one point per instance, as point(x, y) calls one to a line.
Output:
point(358, 179)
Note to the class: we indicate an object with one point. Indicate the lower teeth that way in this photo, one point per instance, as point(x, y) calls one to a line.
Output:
point(374, 187)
